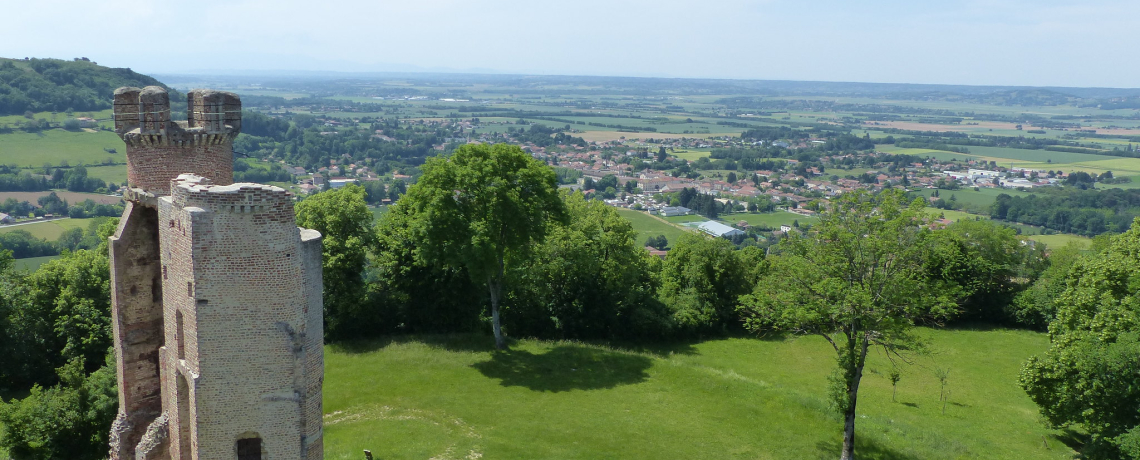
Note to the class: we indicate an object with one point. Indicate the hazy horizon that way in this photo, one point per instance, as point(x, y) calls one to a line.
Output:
point(960, 42)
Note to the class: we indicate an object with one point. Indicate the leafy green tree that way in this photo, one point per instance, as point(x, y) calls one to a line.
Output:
point(588, 279)
point(701, 281)
point(344, 220)
point(986, 265)
point(480, 206)
point(416, 294)
point(858, 281)
point(661, 155)
point(70, 420)
point(1088, 376)
point(58, 313)
point(1036, 306)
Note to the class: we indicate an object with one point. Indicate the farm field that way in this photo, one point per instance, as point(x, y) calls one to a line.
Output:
point(648, 226)
point(31, 264)
point(726, 398)
point(71, 197)
point(113, 174)
point(49, 230)
point(55, 146)
point(690, 154)
point(770, 219)
point(1055, 240)
point(983, 197)
point(1059, 240)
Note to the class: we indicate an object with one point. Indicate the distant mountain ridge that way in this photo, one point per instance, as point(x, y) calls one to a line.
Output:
point(56, 85)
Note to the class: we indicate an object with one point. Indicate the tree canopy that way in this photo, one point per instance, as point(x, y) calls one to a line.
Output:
point(478, 206)
point(1088, 376)
point(346, 224)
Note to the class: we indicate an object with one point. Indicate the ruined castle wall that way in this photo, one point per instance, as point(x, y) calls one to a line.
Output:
point(239, 253)
point(138, 324)
point(314, 359)
point(217, 295)
point(179, 355)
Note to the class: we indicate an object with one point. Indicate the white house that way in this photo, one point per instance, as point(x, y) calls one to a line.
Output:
point(6, 219)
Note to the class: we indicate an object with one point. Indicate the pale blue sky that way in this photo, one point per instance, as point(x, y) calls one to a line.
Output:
point(999, 42)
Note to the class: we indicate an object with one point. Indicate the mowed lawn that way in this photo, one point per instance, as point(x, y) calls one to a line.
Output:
point(648, 226)
point(454, 397)
point(55, 146)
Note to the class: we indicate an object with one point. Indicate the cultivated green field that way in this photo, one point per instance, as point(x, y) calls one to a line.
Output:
point(114, 174)
point(453, 397)
point(31, 264)
point(55, 146)
point(1060, 240)
point(691, 154)
point(648, 226)
point(769, 219)
point(982, 198)
point(1056, 240)
point(49, 230)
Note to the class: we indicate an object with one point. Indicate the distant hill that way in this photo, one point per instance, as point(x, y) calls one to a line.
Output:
point(42, 85)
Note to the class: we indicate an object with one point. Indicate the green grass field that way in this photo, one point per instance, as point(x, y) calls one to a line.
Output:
point(1056, 240)
point(648, 226)
point(31, 264)
point(1060, 240)
point(690, 155)
point(453, 397)
point(686, 218)
point(32, 150)
point(769, 219)
point(115, 174)
point(984, 197)
point(50, 230)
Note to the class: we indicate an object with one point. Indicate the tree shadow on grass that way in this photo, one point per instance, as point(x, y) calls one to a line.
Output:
point(565, 368)
point(865, 449)
point(1072, 438)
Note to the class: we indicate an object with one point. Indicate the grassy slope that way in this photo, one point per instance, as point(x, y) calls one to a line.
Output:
point(54, 146)
point(730, 398)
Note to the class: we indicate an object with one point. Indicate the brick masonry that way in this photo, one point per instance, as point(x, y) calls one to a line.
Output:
point(216, 295)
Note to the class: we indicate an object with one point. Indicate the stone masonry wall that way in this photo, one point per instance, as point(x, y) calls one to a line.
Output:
point(216, 298)
point(245, 330)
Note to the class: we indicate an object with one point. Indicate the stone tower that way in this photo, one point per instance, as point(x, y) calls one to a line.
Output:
point(216, 296)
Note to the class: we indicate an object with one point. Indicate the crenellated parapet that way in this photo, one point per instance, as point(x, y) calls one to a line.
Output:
point(142, 117)
point(159, 149)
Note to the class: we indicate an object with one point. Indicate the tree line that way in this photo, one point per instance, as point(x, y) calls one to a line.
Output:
point(485, 241)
